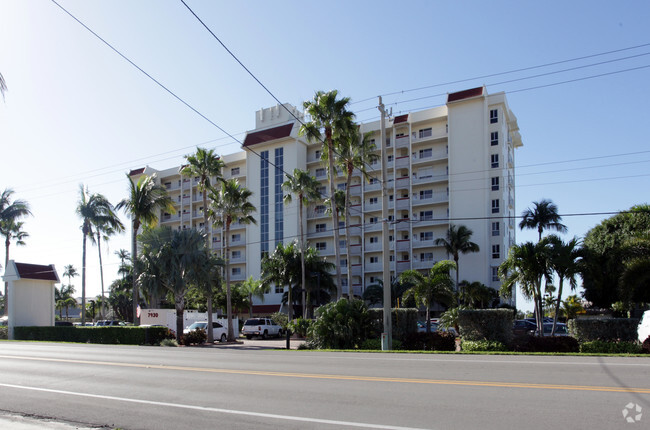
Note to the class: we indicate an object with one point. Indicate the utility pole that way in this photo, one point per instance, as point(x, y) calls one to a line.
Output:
point(386, 336)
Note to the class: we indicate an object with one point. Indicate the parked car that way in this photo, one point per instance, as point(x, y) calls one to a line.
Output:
point(4, 320)
point(63, 323)
point(560, 329)
point(106, 323)
point(522, 327)
point(262, 327)
point(218, 331)
point(422, 326)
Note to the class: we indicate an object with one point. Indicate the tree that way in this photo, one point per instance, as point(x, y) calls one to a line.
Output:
point(435, 287)
point(253, 288)
point(93, 209)
point(354, 150)
point(477, 295)
point(305, 188)
point(125, 267)
point(279, 268)
point(180, 256)
point(230, 204)
point(330, 117)
point(10, 213)
point(565, 261)
point(542, 216)
point(209, 280)
point(374, 294)
point(320, 283)
point(70, 272)
point(104, 229)
point(635, 277)
point(571, 306)
point(528, 265)
point(458, 242)
point(146, 199)
point(64, 298)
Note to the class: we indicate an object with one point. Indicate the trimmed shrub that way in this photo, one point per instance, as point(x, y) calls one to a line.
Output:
point(482, 345)
point(4, 332)
point(435, 341)
point(168, 342)
point(343, 324)
point(609, 347)
point(645, 346)
point(300, 326)
point(608, 329)
point(104, 335)
point(280, 319)
point(196, 337)
point(405, 321)
point(375, 344)
point(486, 324)
point(527, 343)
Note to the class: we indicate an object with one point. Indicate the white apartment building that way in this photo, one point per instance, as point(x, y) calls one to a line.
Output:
point(452, 164)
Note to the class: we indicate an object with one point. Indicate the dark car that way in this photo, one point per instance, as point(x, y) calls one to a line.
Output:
point(522, 327)
point(63, 323)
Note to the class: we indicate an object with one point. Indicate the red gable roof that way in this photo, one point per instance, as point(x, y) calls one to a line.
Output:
point(401, 118)
point(136, 172)
point(268, 134)
point(37, 271)
point(466, 94)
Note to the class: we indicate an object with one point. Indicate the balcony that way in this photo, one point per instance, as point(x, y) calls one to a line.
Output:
point(403, 183)
point(238, 277)
point(430, 179)
point(369, 207)
point(372, 187)
point(241, 241)
point(170, 218)
point(437, 155)
point(373, 267)
point(313, 234)
point(237, 226)
point(437, 197)
point(317, 213)
point(436, 133)
point(174, 186)
point(403, 265)
point(313, 158)
point(402, 162)
point(374, 247)
point(238, 260)
point(355, 249)
point(402, 142)
point(355, 190)
point(376, 226)
point(424, 243)
point(426, 264)
point(404, 245)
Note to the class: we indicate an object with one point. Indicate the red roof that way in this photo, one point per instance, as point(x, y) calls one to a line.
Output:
point(266, 309)
point(136, 172)
point(37, 271)
point(466, 94)
point(268, 135)
point(401, 118)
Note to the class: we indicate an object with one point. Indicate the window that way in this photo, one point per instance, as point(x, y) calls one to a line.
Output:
point(342, 243)
point(374, 260)
point(372, 200)
point(426, 153)
point(373, 181)
point(425, 132)
point(494, 138)
point(316, 155)
point(234, 171)
point(496, 251)
point(426, 215)
point(495, 183)
point(342, 186)
point(235, 254)
point(321, 228)
point(373, 279)
point(341, 224)
point(236, 271)
point(426, 256)
point(494, 161)
point(344, 282)
point(495, 273)
point(495, 206)
point(426, 235)
point(320, 173)
point(374, 219)
point(390, 198)
point(389, 158)
point(235, 237)
point(391, 257)
point(319, 210)
point(494, 116)
point(321, 246)
point(496, 229)
point(374, 239)
point(426, 194)
point(322, 190)
point(343, 262)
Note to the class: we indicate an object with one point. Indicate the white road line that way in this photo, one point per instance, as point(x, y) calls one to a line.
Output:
point(217, 410)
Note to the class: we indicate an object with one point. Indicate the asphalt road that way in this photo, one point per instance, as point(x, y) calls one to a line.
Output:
point(247, 388)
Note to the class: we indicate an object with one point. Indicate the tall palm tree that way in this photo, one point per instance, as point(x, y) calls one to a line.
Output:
point(146, 200)
point(279, 268)
point(70, 272)
point(329, 116)
point(477, 295)
point(527, 265)
point(355, 151)
point(104, 230)
point(93, 209)
point(435, 287)
point(124, 268)
point(543, 215)
point(458, 242)
point(231, 204)
point(204, 164)
point(305, 187)
point(64, 299)
point(10, 213)
point(253, 288)
point(565, 261)
point(209, 280)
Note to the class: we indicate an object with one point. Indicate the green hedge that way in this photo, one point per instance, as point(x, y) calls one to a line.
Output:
point(608, 347)
point(482, 345)
point(527, 343)
point(405, 321)
point(607, 329)
point(434, 341)
point(4, 332)
point(486, 324)
point(375, 344)
point(105, 335)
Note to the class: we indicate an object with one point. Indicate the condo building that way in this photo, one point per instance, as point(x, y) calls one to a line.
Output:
point(448, 165)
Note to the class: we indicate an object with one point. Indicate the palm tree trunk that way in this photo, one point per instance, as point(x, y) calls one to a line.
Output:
point(335, 213)
point(303, 283)
point(231, 332)
point(6, 307)
point(210, 331)
point(347, 232)
point(250, 306)
point(134, 253)
point(83, 280)
point(207, 245)
point(457, 278)
point(101, 274)
point(180, 309)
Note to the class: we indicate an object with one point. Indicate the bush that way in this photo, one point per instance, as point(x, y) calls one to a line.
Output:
point(344, 324)
point(375, 344)
point(482, 345)
point(106, 335)
point(435, 341)
point(609, 347)
point(645, 346)
point(168, 342)
point(300, 326)
point(4, 332)
point(527, 343)
point(280, 319)
point(196, 337)
point(405, 321)
point(607, 329)
point(486, 324)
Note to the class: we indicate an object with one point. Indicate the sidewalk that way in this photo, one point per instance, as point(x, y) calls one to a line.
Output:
point(19, 422)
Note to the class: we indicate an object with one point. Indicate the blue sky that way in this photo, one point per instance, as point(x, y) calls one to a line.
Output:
point(76, 112)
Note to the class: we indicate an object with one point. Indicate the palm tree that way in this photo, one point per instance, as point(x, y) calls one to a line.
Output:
point(10, 213)
point(458, 242)
point(209, 280)
point(565, 261)
point(64, 298)
point(354, 151)
point(279, 268)
point(146, 199)
point(253, 288)
point(305, 187)
point(320, 283)
point(477, 293)
point(104, 229)
point(528, 265)
point(331, 117)
point(542, 216)
point(70, 272)
point(93, 209)
point(231, 204)
point(435, 287)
